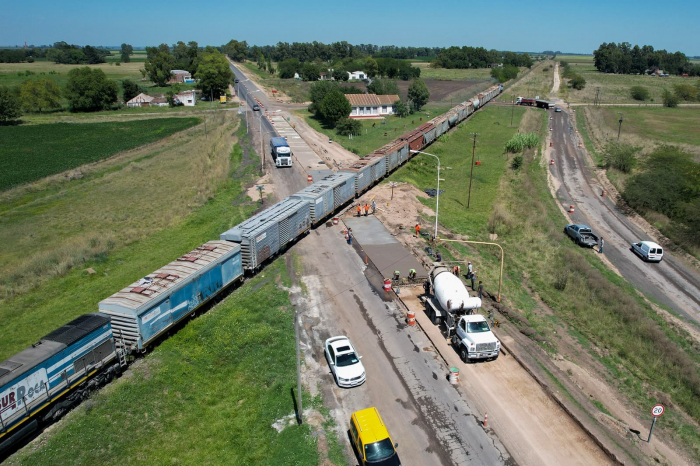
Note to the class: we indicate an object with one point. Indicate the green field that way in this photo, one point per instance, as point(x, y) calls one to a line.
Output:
point(207, 395)
point(615, 88)
point(13, 74)
point(139, 56)
point(29, 153)
point(655, 124)
point(444, 74)
point(373, 131)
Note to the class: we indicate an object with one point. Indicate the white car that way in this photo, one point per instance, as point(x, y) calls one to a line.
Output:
point(344, 361)
point(648, 251)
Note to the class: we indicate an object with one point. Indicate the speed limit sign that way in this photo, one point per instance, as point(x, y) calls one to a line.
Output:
point(657, 410)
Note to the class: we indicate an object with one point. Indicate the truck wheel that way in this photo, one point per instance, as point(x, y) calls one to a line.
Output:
point(464, 354)
point(434, 318)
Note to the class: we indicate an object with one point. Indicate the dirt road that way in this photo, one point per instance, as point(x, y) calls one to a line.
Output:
point(672, 282)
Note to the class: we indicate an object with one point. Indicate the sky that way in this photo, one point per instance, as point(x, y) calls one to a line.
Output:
point(517, 25)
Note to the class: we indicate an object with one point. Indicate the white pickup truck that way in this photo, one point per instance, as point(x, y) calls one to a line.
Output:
point(473, 339)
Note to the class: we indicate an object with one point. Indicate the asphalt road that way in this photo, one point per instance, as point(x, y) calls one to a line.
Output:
point(406, 380)
point(672, 282)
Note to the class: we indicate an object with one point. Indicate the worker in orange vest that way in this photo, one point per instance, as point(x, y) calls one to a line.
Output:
point(366, 209)
point(417, 230)
point(359, 210)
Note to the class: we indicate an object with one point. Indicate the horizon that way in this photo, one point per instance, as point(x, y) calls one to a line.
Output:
point(151, 24)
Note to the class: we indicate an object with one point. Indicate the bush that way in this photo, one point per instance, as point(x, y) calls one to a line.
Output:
point(347, 126)
point(577, 82)
point(670, 100)
point(520, 142)
point(621, 156)
point(685, 92)
point(517, 162)
point(401, 109)
point(639, 93)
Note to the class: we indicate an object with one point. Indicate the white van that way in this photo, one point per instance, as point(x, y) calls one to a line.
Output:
point(648, 251)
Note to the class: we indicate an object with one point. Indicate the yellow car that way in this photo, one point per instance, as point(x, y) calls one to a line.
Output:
point(371, 439)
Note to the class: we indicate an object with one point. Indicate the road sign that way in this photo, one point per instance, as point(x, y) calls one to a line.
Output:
point(657, 410)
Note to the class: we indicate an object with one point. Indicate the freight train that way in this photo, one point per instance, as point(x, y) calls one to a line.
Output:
point(40, 383)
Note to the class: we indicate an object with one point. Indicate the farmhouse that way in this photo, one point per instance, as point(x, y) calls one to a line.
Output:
point(371, 105)
point(186, 98)
point(360, 75)
point(180, 76)
point(141, 100)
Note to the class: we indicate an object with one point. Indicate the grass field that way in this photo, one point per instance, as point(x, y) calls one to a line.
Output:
point(615, 88)
point(538, 82)
point(481, 74)
point(60, 225)
point(207, 395)
point(653, 124)
point(580, 294)
point(10, 72)
point(139, 56)
point(29, 153)
point(373, 131)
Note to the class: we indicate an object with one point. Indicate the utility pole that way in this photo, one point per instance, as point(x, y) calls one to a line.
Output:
point(512, 110)
point(296, 334)
point(619, 127)
point(469, 197)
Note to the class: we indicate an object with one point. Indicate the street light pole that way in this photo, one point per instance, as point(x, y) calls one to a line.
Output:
point(500, 279)
point(437, 195)
point(469, 196)
point(619, 128)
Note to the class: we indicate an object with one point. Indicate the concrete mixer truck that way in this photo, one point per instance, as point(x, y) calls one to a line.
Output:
point(450, 303)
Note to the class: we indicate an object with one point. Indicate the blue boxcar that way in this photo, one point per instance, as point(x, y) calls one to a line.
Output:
point(144, 310)
point(46, 372)
point(264, 234)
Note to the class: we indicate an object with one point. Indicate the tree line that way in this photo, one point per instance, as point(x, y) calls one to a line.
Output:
point(311, 51)
point(373, 67)
point(478, 57)
point(623, 58)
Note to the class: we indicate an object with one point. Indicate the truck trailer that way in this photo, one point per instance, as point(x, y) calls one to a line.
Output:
point(280, 151)
point(526, 101)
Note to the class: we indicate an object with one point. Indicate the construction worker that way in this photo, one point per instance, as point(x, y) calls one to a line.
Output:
point(348, 237)
point(470, 270)
point(359, 210)
point(417, 231)
point(412, 274)
point(366, 209)
point(481, 289)
point(374, 206)
point(473, 279)
point(456, 270)
point(397, 274)
point(426, 287)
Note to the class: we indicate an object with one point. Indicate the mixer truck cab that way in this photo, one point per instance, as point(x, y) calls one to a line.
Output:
point(474, 339)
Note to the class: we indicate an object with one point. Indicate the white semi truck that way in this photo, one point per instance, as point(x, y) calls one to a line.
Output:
point(450, 303)
point(281, 153)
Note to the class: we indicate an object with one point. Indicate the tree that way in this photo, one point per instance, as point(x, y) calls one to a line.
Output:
point(339, 74)
point(670, 100)
point(577, 82)
point(401, 109)
point(214, 74)
point(309, 72)
point(335, 106)
point(237, 51)
point(317, 92)
point(383, 87)
point(418, 93)
point(127, 50)
point(288, 67)
point(639, 93)
point(685, 92)
point(10, 109)
point(621, 156)
point(131, 89)
point(38, 95)
point(347, 126)
point(89, 90)
point(370, 67)
point(159, 64)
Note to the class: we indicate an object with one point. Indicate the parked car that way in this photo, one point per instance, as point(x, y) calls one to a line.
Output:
point(235, 80)
point(371, 439)
point(557, 109)
point(649, 251)
point(345, 364)
point(256, 107)
point(582, 235)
